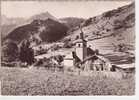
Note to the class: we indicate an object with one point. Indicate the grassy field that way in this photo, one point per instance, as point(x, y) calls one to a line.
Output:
point(23, 81)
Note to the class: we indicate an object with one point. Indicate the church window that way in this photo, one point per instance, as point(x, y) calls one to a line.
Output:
point(79, 45)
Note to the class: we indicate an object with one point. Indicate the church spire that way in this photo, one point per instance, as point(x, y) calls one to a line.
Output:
point(81, 33)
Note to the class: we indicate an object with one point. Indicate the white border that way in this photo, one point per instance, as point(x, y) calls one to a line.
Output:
point(136, 97)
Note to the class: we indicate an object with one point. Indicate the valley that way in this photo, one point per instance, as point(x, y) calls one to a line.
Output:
point(46, 55)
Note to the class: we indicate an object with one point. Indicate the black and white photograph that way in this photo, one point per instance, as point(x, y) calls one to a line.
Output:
point(67, 48)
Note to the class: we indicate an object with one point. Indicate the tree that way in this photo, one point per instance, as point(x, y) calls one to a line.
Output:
point(77, 37)
point(9, 51)
point(59, 58)
point(26, 53)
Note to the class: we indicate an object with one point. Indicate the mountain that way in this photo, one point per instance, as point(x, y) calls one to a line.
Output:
point(38, 30)
point(42, 16)
point(9, 24)
point(105, 32)
point(108, 30)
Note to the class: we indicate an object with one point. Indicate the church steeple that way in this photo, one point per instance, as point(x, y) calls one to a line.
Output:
point(81, 46)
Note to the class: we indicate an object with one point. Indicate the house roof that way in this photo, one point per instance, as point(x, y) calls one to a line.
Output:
point(69, 56)
point(89, 57)
point(95, 57)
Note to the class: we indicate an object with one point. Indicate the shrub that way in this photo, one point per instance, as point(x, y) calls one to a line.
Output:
point(118, 24)
point(129, 20)
point(77, 37)
point(41, 51)
point(59, 58)
point(39, 62)
point(9, 51)
point(55, 47)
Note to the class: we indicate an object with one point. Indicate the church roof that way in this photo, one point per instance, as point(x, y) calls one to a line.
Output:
point(90, 51)
point(79, 40)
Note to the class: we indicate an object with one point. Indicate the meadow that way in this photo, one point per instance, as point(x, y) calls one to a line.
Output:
point(24, 81)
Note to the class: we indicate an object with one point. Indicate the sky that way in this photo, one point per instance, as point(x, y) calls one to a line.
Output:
point(59, 9)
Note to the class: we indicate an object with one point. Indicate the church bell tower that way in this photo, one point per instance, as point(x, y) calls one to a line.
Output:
point(81, 46)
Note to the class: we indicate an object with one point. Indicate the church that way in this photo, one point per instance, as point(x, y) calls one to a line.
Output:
point(83, 57)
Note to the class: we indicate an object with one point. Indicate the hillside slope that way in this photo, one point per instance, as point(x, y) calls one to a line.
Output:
point(42, 16)
point(109, 29)
point(41, 30)
point(9, 24)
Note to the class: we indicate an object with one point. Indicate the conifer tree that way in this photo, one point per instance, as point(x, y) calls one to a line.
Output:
point(26, 53)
